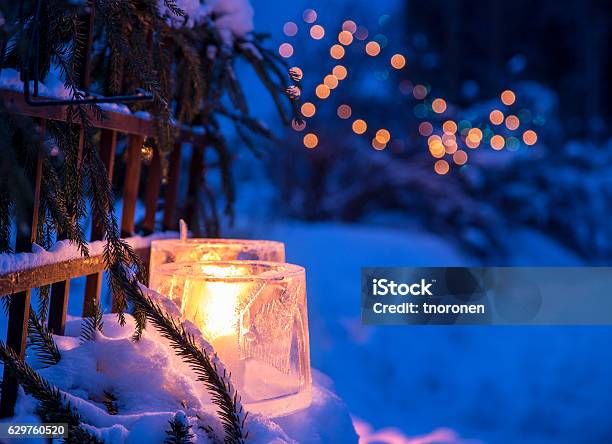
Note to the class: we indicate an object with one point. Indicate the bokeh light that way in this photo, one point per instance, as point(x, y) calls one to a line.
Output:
point(439, 106)
point(398, 61)
point(383, 135)
point(285, 50)
point(359, 126)
point(460, 157)
point(322, 91)
point(317, 32)
point(425, 129)
point(349, 26)
point(361, 33)
point(378, 145)
point(298, 125)
point(296, 73)
point(497, 142)
point(530, 137)
point(419, 92)
point(290, 29)
point(344, 111)
point(372, 49)
point(336, 51)
point(449, 127)
point(508, 97)
point(496, 117)
point(308, 109)
point(339, 72)
point(345, 38)
point(474, 135)
point(310, 16)
point(330, 81)
point(441, 167)
point(311, 140)
point(512, 122)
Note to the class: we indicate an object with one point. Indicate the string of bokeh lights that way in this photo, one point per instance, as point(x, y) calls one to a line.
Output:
point(449, 144)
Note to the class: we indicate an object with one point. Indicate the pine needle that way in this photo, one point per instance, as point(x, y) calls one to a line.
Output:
point(92, 324)
point(41, 340)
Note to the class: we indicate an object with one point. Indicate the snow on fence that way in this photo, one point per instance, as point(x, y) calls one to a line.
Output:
point(56, 269)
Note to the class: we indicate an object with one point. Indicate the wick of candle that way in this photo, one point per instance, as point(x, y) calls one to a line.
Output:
point(183, 230)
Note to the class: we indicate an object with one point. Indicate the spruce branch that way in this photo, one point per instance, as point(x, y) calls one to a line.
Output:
point(92, 324)
point(214, 376)
point(53, 405)
point(180, 430)
point(110, 402)
point(41, 340)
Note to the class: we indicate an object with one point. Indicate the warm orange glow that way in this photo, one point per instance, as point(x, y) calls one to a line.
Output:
point(308, 109)
point(530, 137)
point(398, 61)
point(372, 49)
point(439, 106)
point(383, 136)
point(441, 167)
point(512, 122)
point(344, 111)
point(470, 144)
point(419, 92)
point(460, 157)
point(474, 135)
point(449, 127)
point(359, 126)
point(449, 139)
point(496, 117)
point(451, 148)
point(330, 81)
point(336, 51)
point(311, 140)
point(425, 129)
point(345, 38)
point(508, 97)
point(285, 50)
point(497, 142)
point(317, 32)
point(339, 72)
point(349, 26)
point(437, 149)
point(433, 138)
point(378, 145)
point(322, 91)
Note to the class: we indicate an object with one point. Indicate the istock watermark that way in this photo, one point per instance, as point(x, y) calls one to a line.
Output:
point(487, 295)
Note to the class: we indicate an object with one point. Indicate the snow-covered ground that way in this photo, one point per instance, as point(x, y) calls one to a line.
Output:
point(490, 384)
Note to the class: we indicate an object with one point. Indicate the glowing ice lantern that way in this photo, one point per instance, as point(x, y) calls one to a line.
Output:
point(254, 314)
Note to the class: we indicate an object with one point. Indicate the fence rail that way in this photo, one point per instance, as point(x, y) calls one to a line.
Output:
point(19, 283)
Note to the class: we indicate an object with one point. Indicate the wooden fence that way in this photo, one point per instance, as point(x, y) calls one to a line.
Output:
point(58, 274)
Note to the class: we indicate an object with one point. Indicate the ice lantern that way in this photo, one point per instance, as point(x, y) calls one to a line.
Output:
point(254, 314)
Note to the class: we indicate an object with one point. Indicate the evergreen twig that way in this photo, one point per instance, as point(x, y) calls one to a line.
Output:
point(41, 340)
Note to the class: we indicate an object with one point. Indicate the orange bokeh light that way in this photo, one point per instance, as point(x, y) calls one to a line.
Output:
point(496, 117)
point(344, 111)
point(508, 97)
point(460, 157)
point(439, 106)
point(512, 122)
point(308, 109)
point(285, 50)
point(449, 127)
point(330, 81)
point(497, 142)
point(311, 140)
point(398, 61)
point(474, 135)
point(317, 32)
point(441, 167)
point(322, 91)
point(378, 145)
point(359, 126)
point(339, 72)
point(345, 38)
point(336, 51)
point(372, 49)
point(383, 135)
point(530, 137)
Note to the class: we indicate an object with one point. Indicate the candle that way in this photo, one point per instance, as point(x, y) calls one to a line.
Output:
point(254, 315)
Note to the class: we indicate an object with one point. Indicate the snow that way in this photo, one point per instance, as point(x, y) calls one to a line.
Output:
point(64, 251)
point(152, 385)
